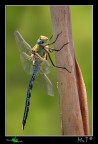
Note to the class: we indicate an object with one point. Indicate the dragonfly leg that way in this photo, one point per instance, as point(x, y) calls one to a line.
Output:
point(57, 66)
point(55, 39)
point(60, 48)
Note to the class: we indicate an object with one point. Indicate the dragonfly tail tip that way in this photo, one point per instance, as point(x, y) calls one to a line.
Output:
point(22, 127)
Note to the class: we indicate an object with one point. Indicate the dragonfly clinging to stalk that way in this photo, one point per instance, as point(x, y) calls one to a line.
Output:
point(34, 61)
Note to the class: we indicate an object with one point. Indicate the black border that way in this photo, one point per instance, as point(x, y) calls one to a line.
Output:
point(27, 139)
point(2, 73)
point(54, 140)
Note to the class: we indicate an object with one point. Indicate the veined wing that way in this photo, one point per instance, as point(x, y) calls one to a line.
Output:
point(22, 44)
point(43, 78)
point(49, 86)
point(44, 83)
point(25, 52)
point(45, 67)
point(27, 63)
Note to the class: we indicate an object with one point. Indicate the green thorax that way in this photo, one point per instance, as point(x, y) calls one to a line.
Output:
point(39, 49)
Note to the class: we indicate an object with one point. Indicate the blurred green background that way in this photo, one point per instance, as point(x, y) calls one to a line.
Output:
point(31, 22)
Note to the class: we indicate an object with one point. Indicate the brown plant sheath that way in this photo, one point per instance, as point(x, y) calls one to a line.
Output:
point(82, 98)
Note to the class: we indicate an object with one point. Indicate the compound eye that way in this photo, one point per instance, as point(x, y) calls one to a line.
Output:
point(41, 41)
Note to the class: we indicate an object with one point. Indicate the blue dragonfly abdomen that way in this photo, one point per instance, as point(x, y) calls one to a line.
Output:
point(27, 104)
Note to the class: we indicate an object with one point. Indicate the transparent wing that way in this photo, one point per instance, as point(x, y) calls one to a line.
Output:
point(45, 81)
point(25, 52)
point(26, 63)
point(45, 67)
point(49, 86)
point(45, 84)
point(22, 44)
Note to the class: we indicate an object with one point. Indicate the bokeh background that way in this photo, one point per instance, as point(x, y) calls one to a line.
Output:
point(31, 22)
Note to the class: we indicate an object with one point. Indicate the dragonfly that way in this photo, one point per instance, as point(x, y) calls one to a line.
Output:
point(35, 62)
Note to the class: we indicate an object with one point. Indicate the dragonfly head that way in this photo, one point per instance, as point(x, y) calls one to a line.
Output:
point(42, 40)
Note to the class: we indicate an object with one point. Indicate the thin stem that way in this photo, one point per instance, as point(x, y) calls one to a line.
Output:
point(72, 92)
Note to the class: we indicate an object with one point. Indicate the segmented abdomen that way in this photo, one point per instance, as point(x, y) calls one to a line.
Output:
point(36, 68)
